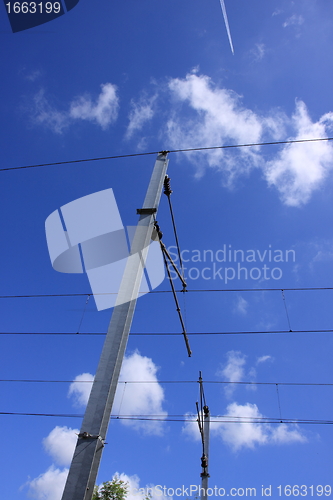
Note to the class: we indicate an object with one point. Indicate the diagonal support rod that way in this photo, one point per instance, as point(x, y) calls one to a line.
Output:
point(84, 467)
point(189, 352)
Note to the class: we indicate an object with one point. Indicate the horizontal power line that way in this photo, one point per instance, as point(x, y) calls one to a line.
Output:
point(170, 382)
point(218, 419)
point(299, 141)
point(155, 334)
point(42, 295)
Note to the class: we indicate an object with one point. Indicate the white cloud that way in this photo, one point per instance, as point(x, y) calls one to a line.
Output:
point(241, 305)
point(49, 485)
point(240, 435)
point(233, 371)
point(135, 491)
point(219, 117)
point(140, 399)
point(47, 115)
point(60, 444)
point(80, 389)
point(294, 20)
point(130, 399)
point(263, 359)
point(259, 51)
point(205, 115)
point(104, 112)
point(239, 428)
point(141, 112)
point(191, 428)
point(299, 169)
point(323, 251)
point(33, 75)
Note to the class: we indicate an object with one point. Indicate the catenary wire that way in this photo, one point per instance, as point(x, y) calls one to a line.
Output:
point(155, 334)
point(228, 146)
point(218, 419)
point(203, 290)
point(319, 384)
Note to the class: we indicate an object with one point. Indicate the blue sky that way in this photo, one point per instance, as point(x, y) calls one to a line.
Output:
point(135, 77)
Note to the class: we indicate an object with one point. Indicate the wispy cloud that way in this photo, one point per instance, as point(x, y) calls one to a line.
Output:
point(241, 306)
point(259, 51)
point(233, 370)
point(263, 359)
point(141, 112)
point(103, 111)
point(294, 20)
point(45, 114)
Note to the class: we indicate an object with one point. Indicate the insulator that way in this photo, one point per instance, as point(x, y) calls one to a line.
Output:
point(204, 462)
point(158, 230)
point(167, 187)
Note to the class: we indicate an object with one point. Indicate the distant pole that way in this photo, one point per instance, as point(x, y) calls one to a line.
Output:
point(205, 459)
point(85, 463)
point(204, 423)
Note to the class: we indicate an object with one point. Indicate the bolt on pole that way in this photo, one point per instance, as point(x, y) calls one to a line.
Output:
point(87, 456)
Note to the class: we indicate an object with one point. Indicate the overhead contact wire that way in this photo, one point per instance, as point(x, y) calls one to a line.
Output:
point(169, 151)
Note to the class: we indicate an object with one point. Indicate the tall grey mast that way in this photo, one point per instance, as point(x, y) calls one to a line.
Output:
point(85, 463)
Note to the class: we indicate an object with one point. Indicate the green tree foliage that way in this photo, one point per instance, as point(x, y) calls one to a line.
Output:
point(111, 490)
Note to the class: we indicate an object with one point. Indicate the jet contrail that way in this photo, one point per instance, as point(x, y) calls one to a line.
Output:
point(227, 24)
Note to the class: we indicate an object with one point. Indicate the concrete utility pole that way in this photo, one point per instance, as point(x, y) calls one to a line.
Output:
point(84, 467)
point(204, 424)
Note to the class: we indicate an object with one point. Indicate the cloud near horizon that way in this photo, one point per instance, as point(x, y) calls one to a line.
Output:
point(130, 399)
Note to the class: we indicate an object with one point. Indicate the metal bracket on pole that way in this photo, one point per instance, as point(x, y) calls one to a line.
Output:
point(87, 455)
point(146, 211)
